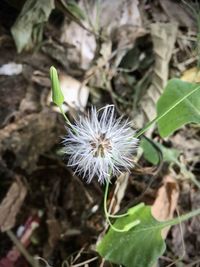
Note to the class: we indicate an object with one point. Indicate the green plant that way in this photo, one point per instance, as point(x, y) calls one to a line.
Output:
point(134, 239)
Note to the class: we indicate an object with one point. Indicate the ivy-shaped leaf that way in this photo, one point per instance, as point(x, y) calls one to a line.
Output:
point(139, 247)
point(142, 245)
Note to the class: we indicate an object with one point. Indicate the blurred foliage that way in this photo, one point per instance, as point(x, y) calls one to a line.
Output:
point(28, 28)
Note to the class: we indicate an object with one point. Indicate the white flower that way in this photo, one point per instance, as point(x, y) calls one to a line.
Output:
point(100, 145)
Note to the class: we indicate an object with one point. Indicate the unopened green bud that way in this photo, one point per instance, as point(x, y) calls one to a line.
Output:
point(57, 95)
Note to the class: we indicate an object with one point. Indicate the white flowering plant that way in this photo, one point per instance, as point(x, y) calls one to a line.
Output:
point(99, 146)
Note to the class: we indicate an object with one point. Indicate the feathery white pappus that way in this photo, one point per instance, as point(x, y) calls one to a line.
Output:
point(100, 145)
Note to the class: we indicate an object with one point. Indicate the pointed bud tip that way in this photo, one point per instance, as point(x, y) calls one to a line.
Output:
point(52, 70)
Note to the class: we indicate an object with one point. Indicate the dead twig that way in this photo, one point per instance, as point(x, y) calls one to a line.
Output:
point(22, 249)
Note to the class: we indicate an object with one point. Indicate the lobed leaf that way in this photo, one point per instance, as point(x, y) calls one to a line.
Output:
point(142, 245)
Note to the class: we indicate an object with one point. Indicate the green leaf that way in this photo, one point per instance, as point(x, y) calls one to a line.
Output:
point(74, 8)
point(30, 22)
point(187, 95)
point(139, 247)
point(169, 155)
point(151, 154)
point(142, 245)
point(57, 95)
point(149, 151)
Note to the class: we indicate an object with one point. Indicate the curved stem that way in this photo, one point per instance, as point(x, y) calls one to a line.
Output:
point(127, 227)
point(118, 215)
point(105, 205)
point(106, 211)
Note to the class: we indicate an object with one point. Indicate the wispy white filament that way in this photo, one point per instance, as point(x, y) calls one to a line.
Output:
point(100, 145)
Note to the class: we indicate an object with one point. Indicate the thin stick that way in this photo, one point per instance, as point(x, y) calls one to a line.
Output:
point(22, 249)
point(85, 262)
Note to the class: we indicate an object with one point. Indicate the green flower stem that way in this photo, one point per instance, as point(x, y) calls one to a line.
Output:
point(65, 117)
point(161, 225)
point(105, 209)
point(127, 227)
point(143, 130)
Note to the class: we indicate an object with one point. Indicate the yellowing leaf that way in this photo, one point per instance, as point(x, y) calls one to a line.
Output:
point(191, 75)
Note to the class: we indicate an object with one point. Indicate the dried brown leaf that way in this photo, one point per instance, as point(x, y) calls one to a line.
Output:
point(118, 20)
point(118, 195)
point(26, 138)
point(166, 201)
point(11, 204)
point(179, 12)
point(163, 37)
point(191, 75)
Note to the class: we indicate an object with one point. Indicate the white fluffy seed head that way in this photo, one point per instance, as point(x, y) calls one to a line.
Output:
point(99, 145)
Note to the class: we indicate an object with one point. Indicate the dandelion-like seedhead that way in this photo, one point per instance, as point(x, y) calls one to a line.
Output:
point(100, 145)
